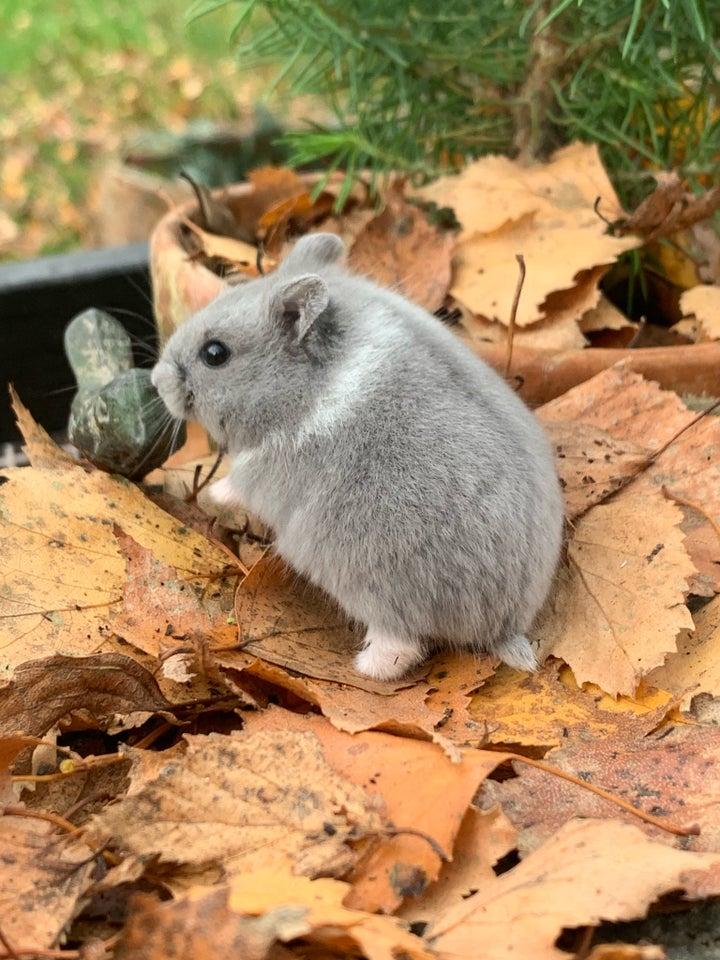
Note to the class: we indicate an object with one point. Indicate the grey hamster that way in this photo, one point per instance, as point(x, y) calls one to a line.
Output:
point(399, 472)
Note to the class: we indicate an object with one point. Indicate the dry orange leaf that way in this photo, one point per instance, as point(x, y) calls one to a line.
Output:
point(61, 564)
point(235, 803)
point(43, 878)
point(623, 404)
point(328, 920)
point(392, 768)
point(591, 463)
point(695, 668)
point(258, 910)
point(548, 708)
point(627, 406)
point(673, 774)
point(161, 612)
point(545, 212)
point(436, 708)
point(619, 601)
point(485, 836)
point(401, 250)
point(570, 881)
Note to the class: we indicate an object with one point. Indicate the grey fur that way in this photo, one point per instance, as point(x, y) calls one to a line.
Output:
point(399, 472)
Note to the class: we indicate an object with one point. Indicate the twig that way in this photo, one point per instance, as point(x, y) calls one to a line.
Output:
point(434, 845)
point(197, 486)
point(11, 952)
point(513, 313)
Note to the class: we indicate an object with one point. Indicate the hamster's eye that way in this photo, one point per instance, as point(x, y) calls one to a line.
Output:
point(214, 353)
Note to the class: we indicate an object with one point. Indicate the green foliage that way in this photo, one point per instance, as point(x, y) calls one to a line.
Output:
point(421, 86)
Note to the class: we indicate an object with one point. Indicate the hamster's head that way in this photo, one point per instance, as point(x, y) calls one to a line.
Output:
point(253, 361)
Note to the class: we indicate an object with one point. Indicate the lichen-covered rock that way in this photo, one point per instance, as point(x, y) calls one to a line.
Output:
point(117, 419)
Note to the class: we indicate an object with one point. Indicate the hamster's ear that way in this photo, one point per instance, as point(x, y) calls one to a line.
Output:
point(296, 305)
point(313, 251)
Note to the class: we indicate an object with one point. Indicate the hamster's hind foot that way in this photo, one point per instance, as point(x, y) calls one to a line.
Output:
point(385, 657)
point(516, 652)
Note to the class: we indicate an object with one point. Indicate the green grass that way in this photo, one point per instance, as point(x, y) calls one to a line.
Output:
point(79, 78)
point(37, 34)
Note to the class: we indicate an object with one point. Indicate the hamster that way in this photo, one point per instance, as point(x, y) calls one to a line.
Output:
point(399, 472)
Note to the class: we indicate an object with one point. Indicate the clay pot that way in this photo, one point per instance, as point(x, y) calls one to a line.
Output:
point(182, 286)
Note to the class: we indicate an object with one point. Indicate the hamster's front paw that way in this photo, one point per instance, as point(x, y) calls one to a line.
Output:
point(385, 657)
point(223, 492)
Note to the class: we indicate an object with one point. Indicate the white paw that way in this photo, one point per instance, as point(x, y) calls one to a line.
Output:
point(385, 657)
point(223, 492)
point(517, 653)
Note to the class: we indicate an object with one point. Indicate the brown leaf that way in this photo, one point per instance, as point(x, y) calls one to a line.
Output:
point(544, 211)
point(619, 602)
point(548, 708)
point(41, 449)
point(568, 882)
point(45, 691)
point(631, 408)
point(239, 802)
point(674, 775)
point(261, 908)
point(393, 768)
point(591, 463)
point(401, 250)
point(485, 836)
point(240, 255)
point(61, 565)
point(435, 709)
point(43, 882)
point(161, 612)
point(669, 209)
point(695, 668)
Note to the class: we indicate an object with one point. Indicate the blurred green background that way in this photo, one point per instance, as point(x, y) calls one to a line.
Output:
point(78, 79)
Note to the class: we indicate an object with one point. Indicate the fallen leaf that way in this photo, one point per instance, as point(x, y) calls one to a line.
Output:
point(703, 303)
point(238, 802)
point(545, 212)
point(391, 768)
point(619, 601)
point(591, 463)
point(695, 667)
point(484, 838)
point(330, 921)
point(673, 775)
point(604, 316)
point(623, 404)
point(402, 251)
point(259, 909)
point(61, 564)
point(161, 612)
point(548, 708)
point(627, 406)
point(570, 881)
point(434, 709)
point(240, 255)
point(41, 449)
point(44, 879)
point(670, 208)
point(43, 692)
